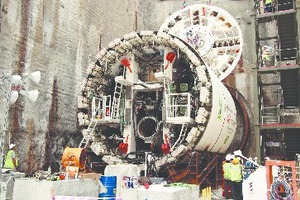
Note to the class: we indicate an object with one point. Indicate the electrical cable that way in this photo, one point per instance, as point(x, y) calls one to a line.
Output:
point(287, 189)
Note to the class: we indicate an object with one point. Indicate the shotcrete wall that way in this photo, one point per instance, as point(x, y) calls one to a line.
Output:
point(60, 38)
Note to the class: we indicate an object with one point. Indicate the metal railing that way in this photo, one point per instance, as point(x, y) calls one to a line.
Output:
point(101, 107)
point(178, 107)
point(270, 114)
point(275, 6)
point(276, 114)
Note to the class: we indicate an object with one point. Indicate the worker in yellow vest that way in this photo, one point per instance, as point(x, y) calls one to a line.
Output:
point(268, 6)
point(226, 165)
point(236, 176)
point(11, 161)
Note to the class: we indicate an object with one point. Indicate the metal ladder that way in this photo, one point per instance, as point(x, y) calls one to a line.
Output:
point(116, 101)
point(97, 105)
point(181, 137)
point(85, 140)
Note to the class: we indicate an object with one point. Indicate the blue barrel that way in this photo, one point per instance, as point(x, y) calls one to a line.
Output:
point(109, 183)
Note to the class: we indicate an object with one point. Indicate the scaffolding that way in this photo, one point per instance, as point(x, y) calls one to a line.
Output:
point(276, 77)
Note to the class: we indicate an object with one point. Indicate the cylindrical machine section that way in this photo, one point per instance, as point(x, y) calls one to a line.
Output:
point(221, 126)
point(147, 127)
point(211, 124)
point(74, 157)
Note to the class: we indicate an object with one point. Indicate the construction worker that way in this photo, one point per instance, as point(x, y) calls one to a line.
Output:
point(268, 6)
point(267, 56)
point(236, 175)
point(259, 4)
point(11, 161)
point(226, 165)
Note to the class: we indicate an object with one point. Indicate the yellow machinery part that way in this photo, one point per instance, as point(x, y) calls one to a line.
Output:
point(74, 157)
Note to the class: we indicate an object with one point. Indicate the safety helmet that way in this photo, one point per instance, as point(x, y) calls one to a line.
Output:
point(235, 161)
point(228, 157)
point(11, 146)
point(232, 156)
point(266, 47)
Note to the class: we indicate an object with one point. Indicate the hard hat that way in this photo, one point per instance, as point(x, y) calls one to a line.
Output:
point(228, 157)
point(266, 47)
point(235, 161)
point(11, 146)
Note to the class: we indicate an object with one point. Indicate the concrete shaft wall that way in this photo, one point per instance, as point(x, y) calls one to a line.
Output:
point(60, 38)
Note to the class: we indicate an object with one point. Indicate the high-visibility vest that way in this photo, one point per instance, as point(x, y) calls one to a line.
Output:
point(266, 56)
point(268, 1)
point(9, 161)
point(226, 170)
point(236, 173)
